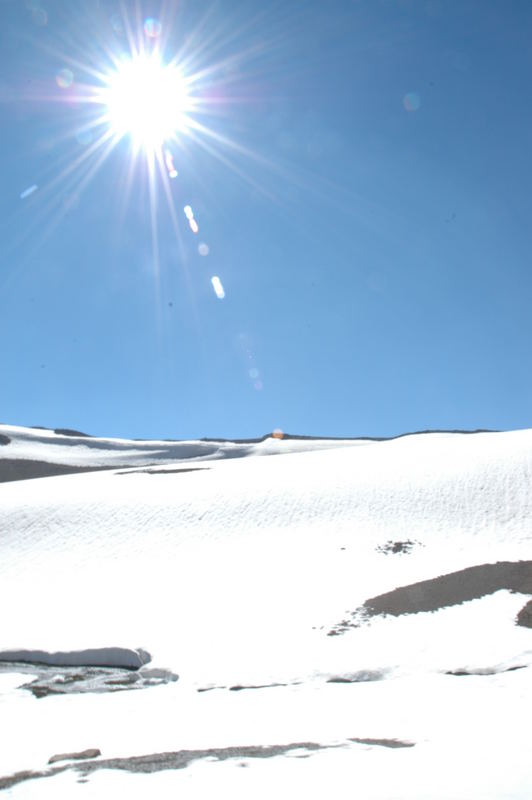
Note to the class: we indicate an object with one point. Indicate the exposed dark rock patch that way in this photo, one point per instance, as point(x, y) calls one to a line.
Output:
point(383, 742)
point(164, 761)
point(162, 471)
point(65, 673)
point(92, 680)
point(355, 620)
point(56, 681)
point(4, 439)
point(21, 469)
point(27, 775)
point(524, 617)
point(70, 432)
point(484, 670)
point(82, 755)
point(391, 547)
point(448, 590)
point(362, 676)
point(454, 588)
point(240, 688)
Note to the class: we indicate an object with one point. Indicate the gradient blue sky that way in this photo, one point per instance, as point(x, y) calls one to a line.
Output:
point(373, 239)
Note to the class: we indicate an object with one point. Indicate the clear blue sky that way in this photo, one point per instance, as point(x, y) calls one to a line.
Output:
point(363, 187)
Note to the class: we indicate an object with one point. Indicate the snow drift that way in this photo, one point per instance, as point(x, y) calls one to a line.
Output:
point(121, 657)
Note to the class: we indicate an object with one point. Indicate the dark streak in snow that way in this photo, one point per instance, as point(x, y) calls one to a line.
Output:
point(164, 761)
point(383, 742)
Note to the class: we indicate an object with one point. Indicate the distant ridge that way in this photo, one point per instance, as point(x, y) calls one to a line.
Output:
point(60, 431)
point(271, 435)
point(276, 434)
point(83, 452)
point(70, 432)
point(282, 435)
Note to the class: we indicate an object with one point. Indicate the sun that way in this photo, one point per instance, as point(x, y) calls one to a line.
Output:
point(158, 102)
point(147, 100)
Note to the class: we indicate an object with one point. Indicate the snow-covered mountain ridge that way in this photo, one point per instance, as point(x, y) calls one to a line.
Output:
point(41, 452)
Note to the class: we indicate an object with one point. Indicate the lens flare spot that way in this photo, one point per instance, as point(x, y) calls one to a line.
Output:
point(64, 78)
point(194, 227)
point(152, 28)
point(218, 288)
point(258, 386)
point(203, 249)
point(253, 373)
point(189, 214)
point(29, 191)
point(117, 24)
point(39, 17)
point(169, 161)
point(412, 101)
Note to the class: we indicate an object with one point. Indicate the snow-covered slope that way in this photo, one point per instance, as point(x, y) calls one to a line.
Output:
point(300, 600)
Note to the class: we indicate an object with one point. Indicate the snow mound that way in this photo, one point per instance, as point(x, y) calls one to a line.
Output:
point(121, 657)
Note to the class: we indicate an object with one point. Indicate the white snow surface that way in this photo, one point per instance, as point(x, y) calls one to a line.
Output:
point(233, 574)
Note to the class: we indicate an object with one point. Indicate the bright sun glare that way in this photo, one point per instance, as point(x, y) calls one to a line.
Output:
point(148, 101)
point(154, 102)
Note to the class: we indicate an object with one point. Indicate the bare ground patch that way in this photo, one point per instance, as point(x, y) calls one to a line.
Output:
point(157, 762)
point(448, 590)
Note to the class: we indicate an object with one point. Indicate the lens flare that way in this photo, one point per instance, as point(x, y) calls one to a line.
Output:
point(116, 24)
point(411, 101)
point(39, 17)
point(203, 249)
point(64, 78)
point(218, 288)
point(152, 28)
point(29, 191)
point(189, 214)
point(169, 161)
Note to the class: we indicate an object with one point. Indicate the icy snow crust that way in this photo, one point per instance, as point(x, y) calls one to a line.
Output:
point(252, 578)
